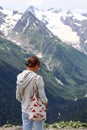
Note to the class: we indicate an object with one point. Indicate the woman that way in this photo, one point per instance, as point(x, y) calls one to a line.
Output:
point(25, 82)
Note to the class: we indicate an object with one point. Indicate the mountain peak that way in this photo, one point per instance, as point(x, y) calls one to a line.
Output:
point(31, 9)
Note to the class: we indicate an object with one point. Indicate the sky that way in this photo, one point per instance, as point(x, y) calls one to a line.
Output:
point(22, 5)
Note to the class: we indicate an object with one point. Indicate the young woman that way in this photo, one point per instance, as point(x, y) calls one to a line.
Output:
point(25, 82)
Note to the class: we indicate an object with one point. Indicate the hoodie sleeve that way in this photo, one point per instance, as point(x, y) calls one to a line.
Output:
point(41, 90)
point(18, 94)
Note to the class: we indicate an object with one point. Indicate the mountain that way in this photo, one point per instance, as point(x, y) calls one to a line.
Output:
point(68, 26)
point(61, 106)
point(64, 69)
point(11, 63)
point(61, 59)
point(8, 19)
point(12, 59)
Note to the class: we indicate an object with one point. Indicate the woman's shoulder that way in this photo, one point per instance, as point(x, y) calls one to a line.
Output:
point(39, 78)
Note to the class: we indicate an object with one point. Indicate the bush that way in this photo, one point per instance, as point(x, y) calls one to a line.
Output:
point(66, 124)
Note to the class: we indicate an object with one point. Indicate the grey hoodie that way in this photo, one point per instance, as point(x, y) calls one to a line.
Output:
point(24, 89)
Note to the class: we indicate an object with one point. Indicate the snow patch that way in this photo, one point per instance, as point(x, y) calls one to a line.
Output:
point(47, 66)
point(85, 95)
point(56, 26)
point(26, 24)
point(75, 99)
point(39, 55)
point(10, 21)
point(79, 17)
point(59, 81)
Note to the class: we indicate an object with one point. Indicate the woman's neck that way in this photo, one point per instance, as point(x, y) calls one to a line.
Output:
point(30, 68)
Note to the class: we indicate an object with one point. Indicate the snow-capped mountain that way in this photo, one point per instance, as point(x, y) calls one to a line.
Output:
point(8, 19)
point(69, 27)
point(53, 19)
point(65, 69)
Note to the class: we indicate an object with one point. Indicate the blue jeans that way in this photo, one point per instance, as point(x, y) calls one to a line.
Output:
point(27, 124)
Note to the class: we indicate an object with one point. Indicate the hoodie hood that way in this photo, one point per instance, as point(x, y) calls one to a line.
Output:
point(24, 78)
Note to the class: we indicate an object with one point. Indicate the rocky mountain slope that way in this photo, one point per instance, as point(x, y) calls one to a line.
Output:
point(69, 27)
point(64, 68)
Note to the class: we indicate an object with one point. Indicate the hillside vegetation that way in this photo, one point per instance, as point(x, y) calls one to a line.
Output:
point(61, 96)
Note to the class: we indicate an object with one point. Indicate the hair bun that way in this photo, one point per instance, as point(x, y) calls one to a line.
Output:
point(32, 61)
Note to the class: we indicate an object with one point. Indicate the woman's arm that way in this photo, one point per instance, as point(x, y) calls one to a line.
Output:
point(41, 90)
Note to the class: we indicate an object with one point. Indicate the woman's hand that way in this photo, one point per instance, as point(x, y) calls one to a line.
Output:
point(46, 104)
